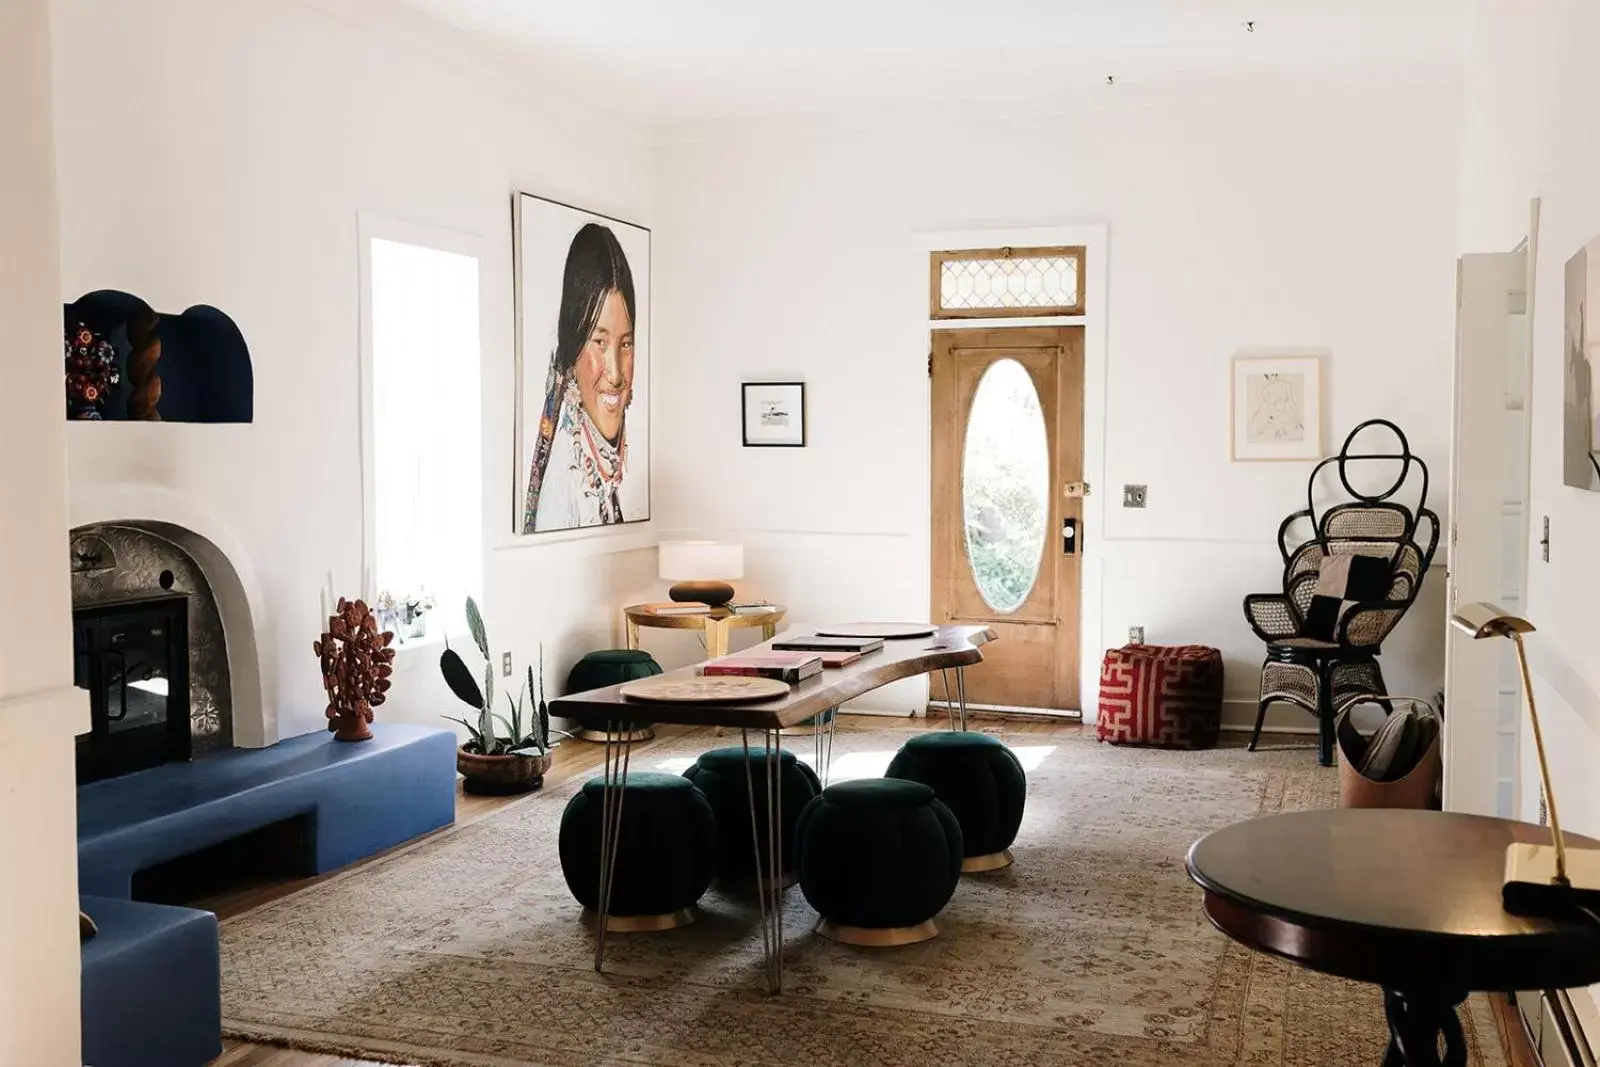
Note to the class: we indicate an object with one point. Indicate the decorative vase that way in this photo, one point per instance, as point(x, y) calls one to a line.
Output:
point(413, 624)
point(499, 776)
point(91, 371)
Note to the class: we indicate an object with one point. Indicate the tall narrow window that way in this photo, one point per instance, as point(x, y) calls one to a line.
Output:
point(426, 464)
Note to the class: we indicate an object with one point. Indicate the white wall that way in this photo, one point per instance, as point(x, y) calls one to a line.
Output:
point(1264, 213)
point(221, 153)
point(39, 709)
point(1532, 104)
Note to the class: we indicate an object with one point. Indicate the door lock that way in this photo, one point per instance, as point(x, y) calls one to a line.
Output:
point(1075, 489)
point(1069, 537)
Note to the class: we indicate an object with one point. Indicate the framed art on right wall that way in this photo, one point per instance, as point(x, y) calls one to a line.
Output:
point(1580, 438)
point(1276, 408)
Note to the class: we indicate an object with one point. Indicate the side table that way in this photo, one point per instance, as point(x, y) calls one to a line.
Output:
point(1406, 900)
point(718, 624)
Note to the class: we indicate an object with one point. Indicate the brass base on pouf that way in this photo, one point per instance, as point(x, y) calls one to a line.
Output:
point(643, 733)
point(993, 861)
point(641, 924)
point(715, 594)
point(871, 937)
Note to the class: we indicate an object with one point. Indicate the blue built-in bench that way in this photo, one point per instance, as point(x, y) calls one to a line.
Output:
point(151, 985)
point(360, 797)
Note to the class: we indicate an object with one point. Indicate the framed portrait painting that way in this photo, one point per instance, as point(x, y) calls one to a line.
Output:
point(774, 414)
point(1276, 408)
point(583, 368)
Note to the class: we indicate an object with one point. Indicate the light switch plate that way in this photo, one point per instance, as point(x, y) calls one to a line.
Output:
point(1133, 496)
point(505, 664)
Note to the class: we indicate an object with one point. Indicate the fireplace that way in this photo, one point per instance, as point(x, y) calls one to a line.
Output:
point(149, 647)
point(132, 655)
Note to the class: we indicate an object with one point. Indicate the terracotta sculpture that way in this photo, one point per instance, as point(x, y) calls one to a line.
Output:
point(356, 664)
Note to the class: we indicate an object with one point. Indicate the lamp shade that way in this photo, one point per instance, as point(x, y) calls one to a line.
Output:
point(693, 561)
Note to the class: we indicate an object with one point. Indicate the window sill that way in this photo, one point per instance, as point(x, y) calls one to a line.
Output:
point(413, 654)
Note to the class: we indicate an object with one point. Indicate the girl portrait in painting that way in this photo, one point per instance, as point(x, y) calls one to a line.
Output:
point(580, 453)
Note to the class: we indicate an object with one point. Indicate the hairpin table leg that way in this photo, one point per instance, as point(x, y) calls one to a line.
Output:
point(827, 752)
point(961, 693)
point(768, 889)
point(618, 751)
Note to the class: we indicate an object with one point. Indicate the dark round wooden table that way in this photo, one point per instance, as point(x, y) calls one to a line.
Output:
point(1406, 900)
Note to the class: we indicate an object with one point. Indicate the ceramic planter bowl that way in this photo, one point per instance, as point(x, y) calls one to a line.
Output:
point(501, 775)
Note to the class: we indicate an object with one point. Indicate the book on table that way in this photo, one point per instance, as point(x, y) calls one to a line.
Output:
point(752, 607)
point(828, 644)
point(791, 667)
point(682, 609)
point(838, 659)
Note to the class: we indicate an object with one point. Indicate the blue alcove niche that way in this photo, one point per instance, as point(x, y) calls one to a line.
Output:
point(204, 367)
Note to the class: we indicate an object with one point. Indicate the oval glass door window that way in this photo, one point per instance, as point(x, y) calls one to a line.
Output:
point(1005, 486)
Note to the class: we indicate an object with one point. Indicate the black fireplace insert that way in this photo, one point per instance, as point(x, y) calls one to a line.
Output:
point(132, 655)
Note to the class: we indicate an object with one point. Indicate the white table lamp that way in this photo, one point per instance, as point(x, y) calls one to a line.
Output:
point(701, 570)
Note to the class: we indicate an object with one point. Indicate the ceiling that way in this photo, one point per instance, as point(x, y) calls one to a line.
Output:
point(686, 61)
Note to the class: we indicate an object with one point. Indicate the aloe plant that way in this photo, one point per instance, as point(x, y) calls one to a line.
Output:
point(485, 735)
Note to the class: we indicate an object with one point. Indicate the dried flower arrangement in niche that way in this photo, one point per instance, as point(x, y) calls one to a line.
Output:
point(356, 664)
point(91, 371)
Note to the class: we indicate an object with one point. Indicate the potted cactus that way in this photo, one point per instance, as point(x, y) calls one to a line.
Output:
point(504, 754)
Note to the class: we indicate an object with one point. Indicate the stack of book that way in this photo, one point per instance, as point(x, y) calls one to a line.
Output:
point(752, 607)
point(857, 645)
point(791, 667)
point(681, 609)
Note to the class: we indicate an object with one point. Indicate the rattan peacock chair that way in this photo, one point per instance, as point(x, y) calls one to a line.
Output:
point(1325, 630)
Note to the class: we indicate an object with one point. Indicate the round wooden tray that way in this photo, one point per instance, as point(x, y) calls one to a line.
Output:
point(888, 631)
point(703, 689)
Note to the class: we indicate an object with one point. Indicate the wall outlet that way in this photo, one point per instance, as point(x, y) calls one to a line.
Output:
point(1136, 635)
point(505, 664)
point(1133, 496)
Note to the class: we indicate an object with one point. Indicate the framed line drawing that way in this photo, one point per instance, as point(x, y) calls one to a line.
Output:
point(1276, 408)
point(774, 414)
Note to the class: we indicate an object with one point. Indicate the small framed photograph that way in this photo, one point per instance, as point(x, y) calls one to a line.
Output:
point(1276, 409)
point(774, 414)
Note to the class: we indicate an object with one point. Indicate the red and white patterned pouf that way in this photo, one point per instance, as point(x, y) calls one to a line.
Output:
point(1169, 696)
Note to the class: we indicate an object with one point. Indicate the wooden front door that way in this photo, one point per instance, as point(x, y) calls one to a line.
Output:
point(1007, 506)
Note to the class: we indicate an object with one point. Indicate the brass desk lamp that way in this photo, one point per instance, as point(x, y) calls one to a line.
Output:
point(1540, 879)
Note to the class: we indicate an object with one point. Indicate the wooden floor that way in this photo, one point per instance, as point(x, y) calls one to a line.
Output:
point(574, 759)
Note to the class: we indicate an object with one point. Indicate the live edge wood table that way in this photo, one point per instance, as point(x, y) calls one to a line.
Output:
point(814, 700)
point(1406, 900)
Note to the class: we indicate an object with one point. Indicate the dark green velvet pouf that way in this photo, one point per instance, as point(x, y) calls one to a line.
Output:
point(666, 851)
point(721, 775)
point(878, 859)
point(982, 783)
point(611, 666)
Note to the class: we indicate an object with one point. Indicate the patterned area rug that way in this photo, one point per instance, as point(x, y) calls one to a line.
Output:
point(465, 950)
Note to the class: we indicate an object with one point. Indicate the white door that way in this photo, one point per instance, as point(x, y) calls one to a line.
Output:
point(1487, 544)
